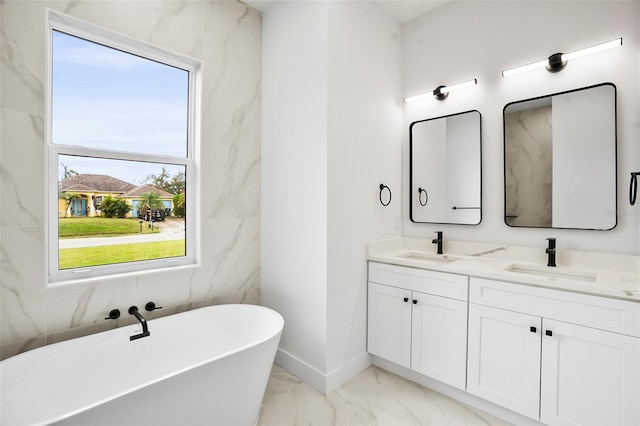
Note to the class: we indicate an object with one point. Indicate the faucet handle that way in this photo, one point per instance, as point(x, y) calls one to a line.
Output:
point(113, 314)
point(552, 242)
point(150, 306)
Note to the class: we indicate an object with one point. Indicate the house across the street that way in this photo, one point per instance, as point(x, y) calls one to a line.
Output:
point(90, 190)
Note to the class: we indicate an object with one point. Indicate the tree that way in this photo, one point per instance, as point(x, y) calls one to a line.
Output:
point(172, 184)
point(149, 200)
point(67, 173)
point(114, 207)
point(179, 205)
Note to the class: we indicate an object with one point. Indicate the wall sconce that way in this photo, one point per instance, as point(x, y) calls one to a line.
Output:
point(441, 92)
point(558, 61)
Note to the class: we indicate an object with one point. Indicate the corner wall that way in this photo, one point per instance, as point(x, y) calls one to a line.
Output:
point(478, 39)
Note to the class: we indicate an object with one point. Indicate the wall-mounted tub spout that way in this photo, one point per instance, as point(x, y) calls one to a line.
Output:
point(145, 329)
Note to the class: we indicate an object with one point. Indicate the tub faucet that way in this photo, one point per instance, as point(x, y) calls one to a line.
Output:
point(438, 241)
point(145, 329)
point(551, 251)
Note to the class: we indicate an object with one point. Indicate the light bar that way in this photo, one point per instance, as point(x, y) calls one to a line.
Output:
point(441, 92)
point(558, 61)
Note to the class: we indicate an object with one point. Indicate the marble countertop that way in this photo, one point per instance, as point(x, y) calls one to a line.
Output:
point(600, 274)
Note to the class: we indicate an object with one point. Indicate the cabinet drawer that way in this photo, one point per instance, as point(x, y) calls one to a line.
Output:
point(430, 282)
point(619, 316)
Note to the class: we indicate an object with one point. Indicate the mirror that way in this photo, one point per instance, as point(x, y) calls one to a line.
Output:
point(445, 169)
point(560, 160)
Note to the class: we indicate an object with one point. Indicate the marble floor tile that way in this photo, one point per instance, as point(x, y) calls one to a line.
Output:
point(373, 398)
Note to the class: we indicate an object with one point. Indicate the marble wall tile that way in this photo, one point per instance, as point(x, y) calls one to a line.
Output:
point(22, 58)
point(233, 37)
point(170, 289)
point(249, 297)
point(230, 256)
point(22, 169)
point(22, 291)
point(231, 105)
point(85, 304)
point(233, 180)
point(162, 23)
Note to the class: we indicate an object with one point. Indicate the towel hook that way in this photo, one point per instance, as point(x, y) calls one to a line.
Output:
point(426, 196)
point(382, 187)
point(633, 187)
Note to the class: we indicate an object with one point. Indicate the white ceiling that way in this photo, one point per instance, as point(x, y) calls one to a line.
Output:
point(401, 11)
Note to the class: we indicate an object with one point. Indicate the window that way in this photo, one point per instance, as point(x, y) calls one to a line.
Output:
point(121, 143)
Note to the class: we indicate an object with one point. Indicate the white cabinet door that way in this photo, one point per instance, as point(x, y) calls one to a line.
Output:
point(439, 342)
point(589, 376)
point(389, 328)
point(504, 358)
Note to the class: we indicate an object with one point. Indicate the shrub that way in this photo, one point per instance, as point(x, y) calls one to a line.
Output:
point(113, 207)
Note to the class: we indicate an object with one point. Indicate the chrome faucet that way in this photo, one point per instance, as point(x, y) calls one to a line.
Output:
point(551, 251)
point(438, 241)
point(133, 310)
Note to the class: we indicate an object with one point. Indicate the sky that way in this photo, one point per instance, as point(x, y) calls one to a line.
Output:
point(109, 99)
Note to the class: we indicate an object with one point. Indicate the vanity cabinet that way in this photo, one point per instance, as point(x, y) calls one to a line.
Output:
point(418, 319)
point(560, 357)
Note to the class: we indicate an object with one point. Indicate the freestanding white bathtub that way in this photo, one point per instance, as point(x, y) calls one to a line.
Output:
point(206, 366)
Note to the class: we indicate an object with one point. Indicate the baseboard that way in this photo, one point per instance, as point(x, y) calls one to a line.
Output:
point(348, 371)
point(301, 369)
point(324, 383)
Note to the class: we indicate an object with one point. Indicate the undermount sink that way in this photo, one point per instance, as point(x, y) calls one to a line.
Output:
point(430, 257)
point(553, 272)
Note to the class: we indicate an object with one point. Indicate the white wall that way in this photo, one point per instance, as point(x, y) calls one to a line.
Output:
point(364, 150)
point(478, 39)
point(294, 175)
point(331, 134)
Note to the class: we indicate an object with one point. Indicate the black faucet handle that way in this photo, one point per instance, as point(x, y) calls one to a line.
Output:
point(150, 306)
point(552, 242)
point(113, 314)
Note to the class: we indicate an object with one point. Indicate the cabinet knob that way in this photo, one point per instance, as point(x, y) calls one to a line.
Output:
point(549, 333)
point(415, 302)
point(533, 329)
point(406, 299)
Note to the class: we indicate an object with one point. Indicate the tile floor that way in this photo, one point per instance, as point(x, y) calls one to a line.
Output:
point(374, 397)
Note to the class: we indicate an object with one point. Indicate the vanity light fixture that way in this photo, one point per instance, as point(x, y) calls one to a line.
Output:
point(441, 92)
point(558, 61)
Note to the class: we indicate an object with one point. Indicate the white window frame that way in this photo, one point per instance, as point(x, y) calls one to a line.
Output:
point(76, 27)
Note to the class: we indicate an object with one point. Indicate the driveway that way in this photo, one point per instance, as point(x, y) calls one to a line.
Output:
point(170, 229)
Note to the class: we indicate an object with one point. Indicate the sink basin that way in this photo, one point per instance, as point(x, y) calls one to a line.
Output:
point(551, 272)
point(430, 257)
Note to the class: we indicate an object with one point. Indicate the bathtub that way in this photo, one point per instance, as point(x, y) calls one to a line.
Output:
point(205, 366)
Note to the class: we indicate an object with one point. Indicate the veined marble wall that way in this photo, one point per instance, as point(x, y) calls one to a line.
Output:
point(529, 176)
point(226, 37)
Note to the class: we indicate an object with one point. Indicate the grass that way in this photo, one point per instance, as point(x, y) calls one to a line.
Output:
point(83, 227)
point(119, 253)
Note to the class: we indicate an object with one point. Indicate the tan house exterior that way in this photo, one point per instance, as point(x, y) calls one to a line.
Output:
point(89, 190)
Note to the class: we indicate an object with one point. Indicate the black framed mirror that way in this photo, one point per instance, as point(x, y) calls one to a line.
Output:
point(560, 166)
point(445, 176)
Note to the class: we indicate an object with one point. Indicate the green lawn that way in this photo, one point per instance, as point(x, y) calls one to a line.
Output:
point(105, 255)
point(81, 227)
point(84, 227)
